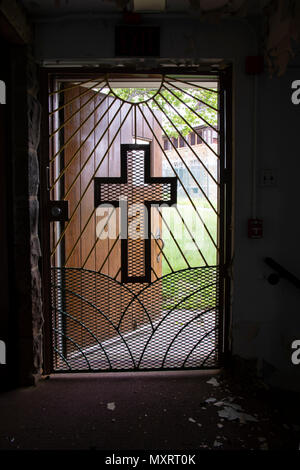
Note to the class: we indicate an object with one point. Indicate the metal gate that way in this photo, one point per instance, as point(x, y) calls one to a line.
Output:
point(135, 220)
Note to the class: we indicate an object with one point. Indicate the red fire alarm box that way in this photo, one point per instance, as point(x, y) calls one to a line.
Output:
point(255, 228)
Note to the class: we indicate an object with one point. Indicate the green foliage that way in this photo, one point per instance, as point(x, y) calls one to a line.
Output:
point(179, 110)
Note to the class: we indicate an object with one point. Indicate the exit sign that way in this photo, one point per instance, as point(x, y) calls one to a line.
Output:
point(137, 41)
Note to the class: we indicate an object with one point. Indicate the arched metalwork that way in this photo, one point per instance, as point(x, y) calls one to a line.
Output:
point(169, 318)
point(179, 329)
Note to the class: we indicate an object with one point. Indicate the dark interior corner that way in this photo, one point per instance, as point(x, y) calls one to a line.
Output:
point(242, 390)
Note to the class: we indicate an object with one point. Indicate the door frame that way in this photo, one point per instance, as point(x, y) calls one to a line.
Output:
point(47, 76)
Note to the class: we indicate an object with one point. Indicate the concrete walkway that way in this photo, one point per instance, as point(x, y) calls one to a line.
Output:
point(179, 339)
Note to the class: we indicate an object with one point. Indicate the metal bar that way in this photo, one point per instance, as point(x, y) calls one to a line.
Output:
point(109, 253)
point(83, 142)
point(75, 112)
point(88, 330)
point(186, 166)
point(118, 272)
point(91, 154)
point(91, 180)
point(183, 187)
point(163, 319)
point(207, 357)
point(60, 108)
point(80, 270)
point(103, 314)
point(198, 249)
point(154, 273)
point(192, 238)
point(97, 239)
point(185, 121)
point(170, 231)
point(197, 344)
point(199, 99)
point(78, 238)
point(135, 124)
point(60, 162)
point(74, 342)
point(90, 252)
point(191, 201)
point(191, 109)
point(195, 268)
point(192, 84)
point(178, 333)
point(62, 357)
point(135, 297)
point(72, 87)
point(196, 211)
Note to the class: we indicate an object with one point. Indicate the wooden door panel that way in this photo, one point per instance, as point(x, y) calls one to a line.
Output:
point(99, 140)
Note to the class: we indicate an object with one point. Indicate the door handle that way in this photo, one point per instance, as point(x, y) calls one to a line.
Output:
point(58, 211)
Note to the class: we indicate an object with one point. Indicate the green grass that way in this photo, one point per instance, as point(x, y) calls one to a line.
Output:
point(179, 293)
point(185, 251)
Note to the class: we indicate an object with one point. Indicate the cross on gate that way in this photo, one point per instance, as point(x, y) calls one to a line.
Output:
point(137, 186)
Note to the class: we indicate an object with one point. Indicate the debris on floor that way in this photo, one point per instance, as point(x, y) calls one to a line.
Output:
point(231, 414)
point(192, 420)
point(217, 444)
point(226, 416)
point(210, 400)
point(213, 381)
point(111, 406)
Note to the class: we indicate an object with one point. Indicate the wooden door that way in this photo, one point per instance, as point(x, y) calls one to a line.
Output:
point(94, 151)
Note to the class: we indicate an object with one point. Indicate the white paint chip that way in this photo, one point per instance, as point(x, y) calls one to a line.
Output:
point(231, 414)
point(111, 406)
point(192, 420)
point(213, 381)
point(217, 444)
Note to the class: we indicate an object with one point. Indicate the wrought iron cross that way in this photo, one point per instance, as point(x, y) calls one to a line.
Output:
point(137, 186)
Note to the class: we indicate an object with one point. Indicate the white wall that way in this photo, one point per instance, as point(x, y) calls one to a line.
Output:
point(265, 318)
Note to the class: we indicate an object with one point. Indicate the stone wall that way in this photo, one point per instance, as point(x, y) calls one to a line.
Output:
point(27, 315)
point(34, 121)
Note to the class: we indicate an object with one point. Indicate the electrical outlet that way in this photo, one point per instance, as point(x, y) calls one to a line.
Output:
point(268, 178)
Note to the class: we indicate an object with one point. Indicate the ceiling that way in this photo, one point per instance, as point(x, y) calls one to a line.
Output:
point(43, 8)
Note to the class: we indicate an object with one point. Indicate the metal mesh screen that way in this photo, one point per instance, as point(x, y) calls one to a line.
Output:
point(100, 324)
point(146, 296)
point(135, 180)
